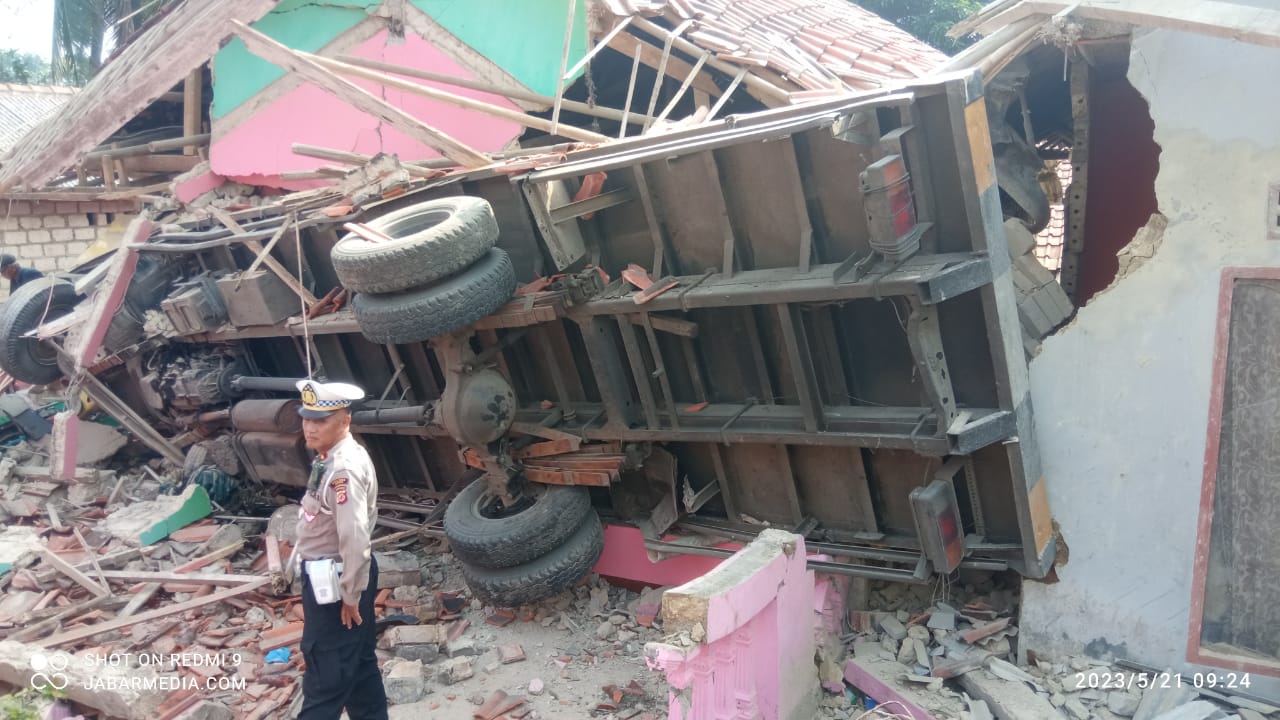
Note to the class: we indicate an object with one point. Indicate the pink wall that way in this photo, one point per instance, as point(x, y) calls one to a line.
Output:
point(259, 147)
point(757, 658)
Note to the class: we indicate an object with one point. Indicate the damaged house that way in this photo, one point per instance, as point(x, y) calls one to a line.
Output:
point(1152, 412)
point(731, 266)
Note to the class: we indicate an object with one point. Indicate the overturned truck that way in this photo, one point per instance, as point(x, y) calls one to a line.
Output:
point(800, 318)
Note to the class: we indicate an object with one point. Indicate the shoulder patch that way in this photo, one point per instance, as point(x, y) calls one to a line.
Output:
point(339, 486)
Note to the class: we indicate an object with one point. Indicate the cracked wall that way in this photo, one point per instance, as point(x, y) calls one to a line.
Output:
point(1122, 394)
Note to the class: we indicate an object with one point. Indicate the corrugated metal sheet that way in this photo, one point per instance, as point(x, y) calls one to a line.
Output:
point(22, 107)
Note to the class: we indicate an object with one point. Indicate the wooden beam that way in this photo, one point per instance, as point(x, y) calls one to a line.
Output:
point(461, 101)
point(763, 90)
point(120, 623)
point(139, 599)
point(358, 97)
point(177, 577)
point(652, 56)
point(604, 113)
point(425, 168)
point(160, 163)
point(192, 106)
point(70, 571)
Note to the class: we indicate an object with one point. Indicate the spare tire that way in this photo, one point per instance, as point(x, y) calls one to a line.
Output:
point(429, 241)
point(538, 580)
point(447, 306)
point(484, 538)
point(39, 301)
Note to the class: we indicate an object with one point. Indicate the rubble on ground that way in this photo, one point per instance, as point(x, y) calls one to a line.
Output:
point(958, 658)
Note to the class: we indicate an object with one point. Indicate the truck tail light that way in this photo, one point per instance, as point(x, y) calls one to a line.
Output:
point(937, 516)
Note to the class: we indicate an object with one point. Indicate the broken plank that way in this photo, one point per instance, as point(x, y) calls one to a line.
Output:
point(31, 632)
point(115, 558)
point(219, 554)
point(358, 97)
point(143, 576)
point(139, 599)
point(70, 571)
point(118, 623)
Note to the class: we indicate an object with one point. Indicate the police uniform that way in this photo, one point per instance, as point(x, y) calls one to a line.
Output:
point(337, 518)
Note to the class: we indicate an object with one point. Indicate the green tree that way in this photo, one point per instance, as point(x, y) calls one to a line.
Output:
point(23, 68)
point(84, 29)
point(928, 20)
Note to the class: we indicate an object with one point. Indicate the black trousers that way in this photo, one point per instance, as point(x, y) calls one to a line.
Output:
point(342, 670)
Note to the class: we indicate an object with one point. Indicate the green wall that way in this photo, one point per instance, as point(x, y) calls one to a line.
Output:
point(524, 37)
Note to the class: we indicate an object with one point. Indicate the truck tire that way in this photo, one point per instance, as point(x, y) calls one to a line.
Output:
point(482, 540)
point(429, 241)
point(538, 580)
point(27, 359)
point(447, 306)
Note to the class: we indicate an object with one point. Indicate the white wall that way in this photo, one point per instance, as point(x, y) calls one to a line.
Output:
point(1122, 394)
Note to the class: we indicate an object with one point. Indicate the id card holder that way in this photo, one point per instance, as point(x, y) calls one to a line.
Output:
point(324, 581)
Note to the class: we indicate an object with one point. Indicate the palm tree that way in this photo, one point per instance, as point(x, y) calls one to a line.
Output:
point(84, 29)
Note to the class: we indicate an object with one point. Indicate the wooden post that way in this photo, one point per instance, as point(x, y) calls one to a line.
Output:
point(192, 106)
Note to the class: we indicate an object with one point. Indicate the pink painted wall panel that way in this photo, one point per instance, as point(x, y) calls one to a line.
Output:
point(757, 660)
point(260, 146)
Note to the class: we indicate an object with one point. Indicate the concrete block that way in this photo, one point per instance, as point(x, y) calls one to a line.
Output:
point(97, 442)
point(1160, 699)
point(415, 642)
point(63, 235)
point(55, 221)
point(1122, 703)
point(398, 569)
point(1008, 700)
point(1029, 266)
point(894, 629)
point(1034, 321)
point(9, 223)
point(39, 237)
point(145, 523)
point(18, 547)
point(86, 234)
point(405, 682)
point(1021, 241)
point(45, 264)
point(455, 670)
point(30, 250)
point(118, 692)
point(30, 222)
point(78, 220)
point(1045, 298)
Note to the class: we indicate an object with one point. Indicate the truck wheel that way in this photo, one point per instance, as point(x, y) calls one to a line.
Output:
point(483, 537)
point(41, 300)
point(429, 241)
point(538, 580)
point(447, 306)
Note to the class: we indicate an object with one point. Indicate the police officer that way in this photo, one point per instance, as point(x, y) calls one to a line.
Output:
point(339, 575)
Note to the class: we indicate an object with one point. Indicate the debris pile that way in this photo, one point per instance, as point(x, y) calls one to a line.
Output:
point(959, 659)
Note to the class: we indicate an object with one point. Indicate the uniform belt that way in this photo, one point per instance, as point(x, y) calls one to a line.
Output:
point(337, 565)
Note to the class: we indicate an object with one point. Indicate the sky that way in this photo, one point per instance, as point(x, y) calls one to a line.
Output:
point(27, 26)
